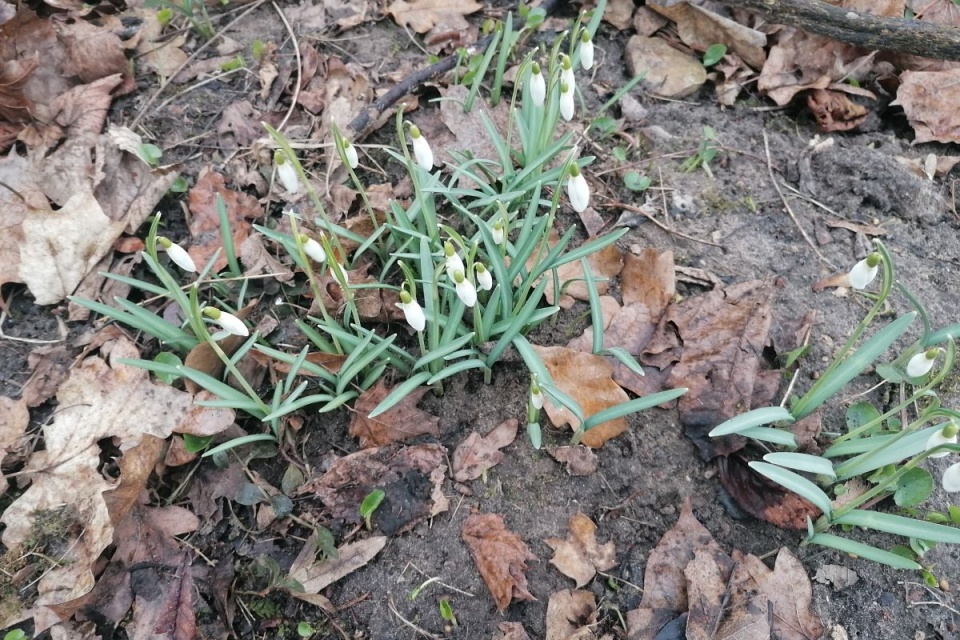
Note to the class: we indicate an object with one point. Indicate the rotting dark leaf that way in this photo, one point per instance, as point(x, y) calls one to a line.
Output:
point(761, 498)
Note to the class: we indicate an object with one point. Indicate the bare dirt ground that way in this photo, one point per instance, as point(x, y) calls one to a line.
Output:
point(731, 224)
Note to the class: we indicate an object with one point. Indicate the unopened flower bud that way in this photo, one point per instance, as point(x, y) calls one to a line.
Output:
point(177, 254)
point(421, 148)
point(412, 311)
point(484, 278)
point(227, 321)
point(313, 248)
point(538, 86)
point(586, 50)
point(577, 189)
point(566, 101)
point(465, 289)
point(946, 435)
point(863, 273)
point(951, 478)
point(286, 173)
point(920, 364)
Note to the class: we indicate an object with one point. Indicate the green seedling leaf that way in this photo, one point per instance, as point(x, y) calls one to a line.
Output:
point(150, 153)
point(889, 373)
point(802, 462)
point(913, 488)
point(233, 64)
point(862, 550)
point(635, 182)
point(633, 406)
point(536, 437)
point(370, 504)
point(305, 630)
point(620, 154)
point(605, 125)
point(714, 54)
point(795, 483)
point(195, 444)
point(770, 434)
point(954, 512)
point(861, 413)
point(754, 418)
point(446, 612)
point(900, 526)
point(790, 358)
point(180, 185)
point(172, 359)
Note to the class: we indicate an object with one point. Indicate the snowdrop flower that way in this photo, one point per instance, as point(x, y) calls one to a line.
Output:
point(497, 232)
point(286, 172)
point(577, 189)
point(229, 322)
point(346, 274)
point(586, 50)
point(178, 254)
point(951, 478)
point(864, 271)
point(920, 364)
point(566, 73)
point(947, 435)
point(538, 86)
point(453, 263)
point(421, 148)
point(465, 289)
point(566, 101)
point(350, 152)
point(536, 395)
point(412, 311)
point(484, 279)
point(313, 248)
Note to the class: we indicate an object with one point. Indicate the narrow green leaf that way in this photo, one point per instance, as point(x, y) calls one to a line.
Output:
point(892, 450)
point(900, 525)
point(768, 434)
point(443, 351)
point(596, 311)
point(624, 357)
point(802, 462)
point(754, 418)
point(795, 483)
point(239, 442)
point(457, 367)
point(533, 432)
point(632, 406)
point(400, 392)
point(864, 551)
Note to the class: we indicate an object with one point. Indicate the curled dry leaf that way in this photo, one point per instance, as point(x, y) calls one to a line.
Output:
point(571, 615)
point(315, 575)
point(501, 557)
point(580, 556)
point(477, 454)
point(763, 498)
point(834, 111)
point(929, 100)
point(512, 631)
point(403, 421)
point(14, 418)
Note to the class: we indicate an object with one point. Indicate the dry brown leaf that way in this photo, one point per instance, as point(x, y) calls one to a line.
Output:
point(14, 418)
point(577, 459)
point(410, 477)
point(669, 73)
point(762, 498)
point(700, 28)
point(468, 129)
point(511, 631)
point(580, 556)
point(929, 100)
point(649, 278)
point(315, 575)
point(619, 13)
point(403, 421)
point(834, 111)
point(939, 11)
point(857, 227)
point(347, 13)
point(570, 615)
point(423, 15)
point(477, 454)
point(501, 557)
point(605, 265)
point(587, 379)
point(205, 220)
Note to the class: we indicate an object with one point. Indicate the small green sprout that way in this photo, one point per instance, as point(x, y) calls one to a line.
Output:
point(446, 612)
point(714, 54)
point(370, 504)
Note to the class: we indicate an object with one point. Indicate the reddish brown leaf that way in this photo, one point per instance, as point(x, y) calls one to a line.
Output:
point(403, 421)
point(834, 111)
point(929, 100)
point(763, 498)
point(501, 557)
point(580, 556)
point(176, 619)
point(205, 221)
point(477, 454)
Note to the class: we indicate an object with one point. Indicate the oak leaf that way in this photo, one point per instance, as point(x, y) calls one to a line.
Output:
point(501, 557)
point(580, 556)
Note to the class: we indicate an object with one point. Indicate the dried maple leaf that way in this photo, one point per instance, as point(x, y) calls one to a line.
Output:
point(501, 557)
point(580, 556)
point(477, 454)
point(403, 421)
point(205, 221)
point(423, 15)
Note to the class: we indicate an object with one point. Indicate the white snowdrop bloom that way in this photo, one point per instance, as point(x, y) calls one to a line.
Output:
point(484, 277)
point(178, 254)
point(287, 173)
point(538, 86)
point(920, 364)
point(452, 261)
point(313, 248)
point(864, 271)
point(947, 435)
point(577, 189)
point(227, 321)
point(586, 50)
point(566, 73)
point(350, 152)
point(951, 478)
point(497, 232)
point(346, 274)
point(465, 289)
point(566, 101)
point(412, 311)
point(536, 397)
point(421, 148)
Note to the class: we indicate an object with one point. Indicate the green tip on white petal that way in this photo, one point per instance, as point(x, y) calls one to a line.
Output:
point(405, 297)
point(414, 131)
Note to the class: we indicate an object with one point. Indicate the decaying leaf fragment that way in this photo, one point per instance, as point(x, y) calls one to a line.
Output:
point(477, 454)
point(580, 556)
point(570, 615)
point(401, 422)
point(423, 15)
point(929, 100)
point(314, 575)
point(501, 557)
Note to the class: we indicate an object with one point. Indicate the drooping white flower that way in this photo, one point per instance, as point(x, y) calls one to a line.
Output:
point(536, 395)
point(346, 274)
point(920, 364)
point(350, 152)
point(951, 478)
point(465, 289)
point(864, 271)
point(484, 278)
point(412, 311)
point(178, 254)
point(227, 321)
point(421, 148)
point(586, 50)
point(452, 261)
point(286, 172)
point(538, 86)
point(947, 435)
point(566, 101)
point(577, 189)
point(497, 232)
point(566, 73)
point(313, 248)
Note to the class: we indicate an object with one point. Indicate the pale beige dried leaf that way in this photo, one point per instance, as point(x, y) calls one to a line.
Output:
point(700, 28)
point(501, 557)
point(579, 555)
point(619, 13)
point(577, 459)
point(423, 15)
point(649, 278)
point(403, 421)
point(511, 631)
point(669, 73)
point(929, 100)
point(477, 454)
point(14, 418)
point(570, 614)
point(316, 575)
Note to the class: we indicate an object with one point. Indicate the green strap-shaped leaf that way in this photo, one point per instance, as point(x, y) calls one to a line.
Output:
point(796, 483)
point(900, 525)
point(400, 392)
point(769, 434)
point(632, 406)
point(754, 418)
point(802, 462)
point(864, 551)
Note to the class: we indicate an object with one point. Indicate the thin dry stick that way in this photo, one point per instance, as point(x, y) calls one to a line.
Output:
point(422, 632)
point(636, 209)
point(786, 205)
point(163, 85)
point(296, 51)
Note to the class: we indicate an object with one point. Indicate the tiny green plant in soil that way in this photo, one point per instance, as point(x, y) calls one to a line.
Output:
point(879, 454)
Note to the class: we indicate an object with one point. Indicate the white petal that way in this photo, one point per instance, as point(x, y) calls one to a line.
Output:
point(352, 158)
point(423, 153)
point(497, 233)
point(567, 78)
point(413, 314)
point(862, 274)
point(232, 324)
point(538, 89)
point(453, 265)
point(579, 192)
point(467, 292)
point(315, 250)
point(181, 258)
point(951, 478)
point(536, 399)
point(586, 54)
point(937, 439)
point(566, 104)
point(919, 365)
point(485, 280)
point(288, 177)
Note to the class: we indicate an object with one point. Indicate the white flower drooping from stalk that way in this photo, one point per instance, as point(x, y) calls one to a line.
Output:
point(536, 395)
point(538, 86)
point(484, 278)
point(465, 289)
point(864, 271)
point(497, 232)
point(421, 149)
point(178, 254)
point(920, 364)
point(286, 172)
point(566, 102)
point(951, 478)
point(312, 248)
point(350, 152)
point(452, 261)
point(227, 321)
point(577, 189)
point(566, 73)
point(586, 50)
point(412, 311)
point(946, 435)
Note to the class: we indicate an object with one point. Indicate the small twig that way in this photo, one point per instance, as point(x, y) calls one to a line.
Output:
point(636, 209)
point(422, 632)
point(786, 205)
point(296, 51)
point(804, 343)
